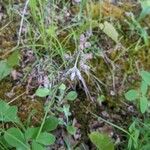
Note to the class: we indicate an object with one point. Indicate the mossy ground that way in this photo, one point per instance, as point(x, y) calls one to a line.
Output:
point(127, 58)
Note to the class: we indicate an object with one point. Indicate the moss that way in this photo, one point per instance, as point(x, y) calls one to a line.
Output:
point(25, 105)
point(80, 113)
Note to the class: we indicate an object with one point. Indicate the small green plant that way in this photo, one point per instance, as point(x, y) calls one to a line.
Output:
point(140, 135)
point(61, 97)
point(7, 65)
point(140, 95)
point(23, 138)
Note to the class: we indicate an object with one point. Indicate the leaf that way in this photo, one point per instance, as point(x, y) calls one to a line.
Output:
point(31, 133)
point(71, 129)
point(3, 107)
point(50, 124)
point(71, 96)
point(8, 113)
point(144, 88)
point(15, 138)
point(145, 76)
point(110, 31)
point(66, 110)
point(143, 104)
point(13, 59)
point(46, 138)
point(135, 136)
point(3, 142)
point(101, 98)
point(5, 70)
point(42, 92)
point(37, 146)
point(101, 141)
point(145, 4)
point(131, 95)
point(62, 87)
point(11, 114)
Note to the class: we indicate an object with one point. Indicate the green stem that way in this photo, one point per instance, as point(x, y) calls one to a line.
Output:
point(47, 110)
point(112, 124)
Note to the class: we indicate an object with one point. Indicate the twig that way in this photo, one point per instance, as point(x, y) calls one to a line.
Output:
point(16, 97)
point(22, 19)
point(19, 34)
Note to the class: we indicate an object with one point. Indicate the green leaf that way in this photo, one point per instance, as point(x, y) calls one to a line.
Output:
point(101, 98)
point(50, 124)
point(66, 110)
point(143, 104)
point(71, 96)
point(37, 146)
point(144, 88)
point(135, 136)
point(46, 138)
point(15, 138)
point(110, 31)
point(13, 59)
point(5, 70)
point(131, 95)
point(31, 133)
point(3, 107)
point(145, 4)
point(42, 92)
point(11, 114)
point(145, 76)
point(101, 141)
point(8, 113)
point(71, 129)
point(62, 87)
point(3, 142)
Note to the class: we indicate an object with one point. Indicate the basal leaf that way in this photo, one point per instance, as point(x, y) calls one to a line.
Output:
point(143, 104)
point(101, 141)
point(13, 59)
point(50, 124)
point(145, 76)
point(144, 88)
point(46, 138)
point(71, 129)
point(15, 138)
point(62, 87)
point(3, 107)
point(11, 114)
point(5, 70)
point(71, 96)
point(8, 113)
point(31, 133)
point(131, 95)
point(42, 92)
point(37, 146)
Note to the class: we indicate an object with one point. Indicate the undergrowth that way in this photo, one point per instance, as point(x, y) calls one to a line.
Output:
point(65, 53)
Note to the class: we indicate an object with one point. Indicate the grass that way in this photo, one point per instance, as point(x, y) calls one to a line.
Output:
point(89, 49)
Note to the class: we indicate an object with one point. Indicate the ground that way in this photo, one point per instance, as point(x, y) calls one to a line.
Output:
point(95, 49)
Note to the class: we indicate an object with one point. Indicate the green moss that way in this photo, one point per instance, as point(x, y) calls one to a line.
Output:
point(26, 106)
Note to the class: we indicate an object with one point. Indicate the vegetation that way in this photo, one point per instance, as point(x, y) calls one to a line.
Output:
point(74, 75)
